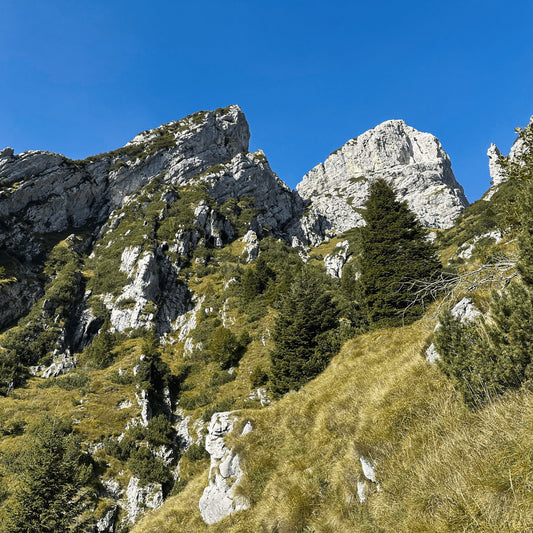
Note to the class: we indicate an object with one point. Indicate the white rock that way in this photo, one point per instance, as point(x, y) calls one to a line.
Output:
point(252, 245)
point(466, 249)
point(129, 258)
point(183, 438)
point(337, 259)
point(106, 524)
point(139, 498)
point(261, 395)
point(62, 364)
point(125, 404)
point(146, 409)
point(112, 488)
point(368, 469)
point(413, 162)
point(219, 499)
point(361, 491)
point(498, 174)
point(246, 429)
point(465, 310)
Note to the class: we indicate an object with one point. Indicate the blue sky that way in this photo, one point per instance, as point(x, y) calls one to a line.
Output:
point(83, 78)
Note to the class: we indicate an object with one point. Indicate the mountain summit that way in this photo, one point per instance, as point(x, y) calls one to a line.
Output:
point(414, 163)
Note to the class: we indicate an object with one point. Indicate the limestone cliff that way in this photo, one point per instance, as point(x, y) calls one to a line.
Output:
point(498, 173)
point(413, 162)
point(41, 192)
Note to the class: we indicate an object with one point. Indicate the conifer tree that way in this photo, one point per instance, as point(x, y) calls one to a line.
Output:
point(521, 170)
point(493, 355)
point(395, 252)
point(52, 477)
point(303, 343)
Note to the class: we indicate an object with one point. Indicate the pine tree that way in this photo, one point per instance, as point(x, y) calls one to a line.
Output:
point(521, 170)
point(52, 477)
point(225, 348)
point(302, 344)
point(100, 351)
point(491, 356)
point(395, 252)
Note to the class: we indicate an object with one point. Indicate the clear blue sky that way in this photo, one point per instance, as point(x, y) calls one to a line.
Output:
point(84, 77)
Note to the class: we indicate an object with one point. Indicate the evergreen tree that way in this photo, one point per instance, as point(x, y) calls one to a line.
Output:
point(225, 348)
point(303, 343)
point(52, 477)
point(100, 351)
point(153, 374)
point(521, 170)
point(395, 252)
point(489, 357)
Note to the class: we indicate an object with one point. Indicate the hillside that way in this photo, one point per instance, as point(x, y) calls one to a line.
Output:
point(143, 294)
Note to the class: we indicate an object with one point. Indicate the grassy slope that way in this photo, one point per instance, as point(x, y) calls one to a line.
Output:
point(439, 466)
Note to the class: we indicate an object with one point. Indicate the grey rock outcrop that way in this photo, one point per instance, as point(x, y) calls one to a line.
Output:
point(249, 176)
point(62, 364)
point(42, 192)
point(152, 279)
point(219, 498)
point(252, 245)
point(466, 250)
point(369, 475)
point(106, 524)
point(17, 295)
point(498, 173)
point(337, 259)
point(140, 498)
point(414, 163)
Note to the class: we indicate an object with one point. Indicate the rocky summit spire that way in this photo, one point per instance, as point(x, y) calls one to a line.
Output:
point(413, 162)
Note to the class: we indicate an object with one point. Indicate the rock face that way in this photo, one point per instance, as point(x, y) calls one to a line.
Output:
point(413, 162)
point(18, 295)
point(41, 192)
point(498, 174)
point(139, 498)
point(219, 499)
point(337, 259)
point(250, 176)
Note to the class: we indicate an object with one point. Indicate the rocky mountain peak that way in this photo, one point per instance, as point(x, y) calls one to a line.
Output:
point(498, 174)
point(412, 161)
point(42, 192)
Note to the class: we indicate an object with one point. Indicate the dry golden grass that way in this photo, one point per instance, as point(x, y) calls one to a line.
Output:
point(440, 467)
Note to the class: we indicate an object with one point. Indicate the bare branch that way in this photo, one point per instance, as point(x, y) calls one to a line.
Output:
point(452, 286)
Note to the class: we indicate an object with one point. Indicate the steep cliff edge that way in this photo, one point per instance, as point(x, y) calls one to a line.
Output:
point(42, 193)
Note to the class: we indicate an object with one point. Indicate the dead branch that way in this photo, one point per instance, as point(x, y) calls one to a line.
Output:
point(451, 286)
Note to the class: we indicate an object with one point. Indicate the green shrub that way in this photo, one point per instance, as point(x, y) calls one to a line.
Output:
point(72, 381)
point(219, 407)
point(258, 377)
point(225, 348)
point(196, 452)
point(100, 352)
point(147, 468)
point(221, 378)
point(124, 379)
point(487, 358)
point(159, 431)
point(201, 399)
